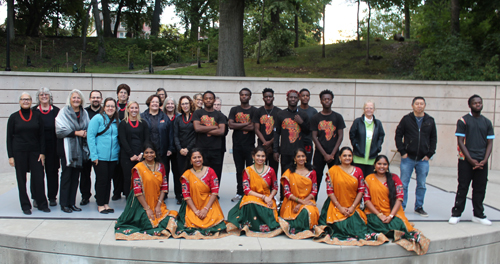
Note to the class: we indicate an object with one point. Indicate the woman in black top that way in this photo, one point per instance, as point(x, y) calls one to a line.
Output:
point(132, 133)
point(171, 160)
point(44, 105)
point(26, 151)
point(184, 138)
point(71, 130)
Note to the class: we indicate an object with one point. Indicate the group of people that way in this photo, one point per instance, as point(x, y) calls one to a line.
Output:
point(135, 152)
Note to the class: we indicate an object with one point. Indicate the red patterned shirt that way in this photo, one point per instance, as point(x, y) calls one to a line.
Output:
point(210, 179)
point(269, 176)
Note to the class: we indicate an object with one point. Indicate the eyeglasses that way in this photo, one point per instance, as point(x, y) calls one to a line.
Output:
point(110, 106)
point(25, 99)
point(184, 103)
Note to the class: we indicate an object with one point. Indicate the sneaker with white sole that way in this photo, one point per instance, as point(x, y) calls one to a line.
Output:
point(483, 221)
point(420, 211)
point(236, 198)
point(454, 220)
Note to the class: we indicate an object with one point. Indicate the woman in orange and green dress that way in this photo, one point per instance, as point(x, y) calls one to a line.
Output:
point(383, 199)
point(256, 213)
point(344, 222)
point(146, 216)
point(299, 214)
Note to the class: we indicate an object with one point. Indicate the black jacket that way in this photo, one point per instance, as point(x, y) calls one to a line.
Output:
point(418, 143)
point(357, 134)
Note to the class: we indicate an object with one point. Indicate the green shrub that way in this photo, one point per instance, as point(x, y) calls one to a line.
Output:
point(279, 43)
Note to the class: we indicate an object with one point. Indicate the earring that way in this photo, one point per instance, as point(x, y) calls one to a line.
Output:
point(294, 162)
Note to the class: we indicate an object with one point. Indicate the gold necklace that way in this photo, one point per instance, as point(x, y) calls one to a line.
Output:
point(147, 165)
point(263, 167)
point(195, 170)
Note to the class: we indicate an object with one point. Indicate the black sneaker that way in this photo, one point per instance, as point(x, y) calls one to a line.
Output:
point(116, 197)
point(52, 202)
point(420, 211)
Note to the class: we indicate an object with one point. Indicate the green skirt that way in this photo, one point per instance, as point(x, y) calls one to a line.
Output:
point(299, 224)
point(376, 225)
point(181, 220)
point(134, 224)
point(256, 217)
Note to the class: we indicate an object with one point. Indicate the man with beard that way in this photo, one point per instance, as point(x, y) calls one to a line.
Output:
point(264, 120)
point(240, 121)
point(475, 140)
point(85, 182)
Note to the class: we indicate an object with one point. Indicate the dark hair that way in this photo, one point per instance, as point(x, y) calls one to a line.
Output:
point(246, 89)
point(308, 163)
point(115, 115)
point(189, 165)
point(257, 149)
point(161, 89)
point(97, 91)
point(390, 182)
point(344, 149)
point(326, 92)
point(267, 90)
point(208, 92)
point(291, 91)
point(472, 97)
point(417, 98)
point(304, 90)
point(149, 144)
point(192, 107)
point(121, 87)
point(150, 98)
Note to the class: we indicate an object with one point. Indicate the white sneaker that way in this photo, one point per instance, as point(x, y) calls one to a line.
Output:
point(236, 198)
point(483, 221)
point(454, 220)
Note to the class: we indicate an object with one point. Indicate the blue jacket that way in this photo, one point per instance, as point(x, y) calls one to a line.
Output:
point(106, 146)
point(165, 129)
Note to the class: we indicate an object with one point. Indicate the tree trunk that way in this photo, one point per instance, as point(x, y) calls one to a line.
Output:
point(106, 17)
point(155, 22)
point(101, 53)
point(10, 17)
point(324, 14)
point(407, 19)
point(84, 28)
point(275, 18)
point(195, 23)
point(455, 17)
point(297, 7)
point(357, 25)
point(118, 16)
point(368, 35)
point(230, 54)
point(260, 30)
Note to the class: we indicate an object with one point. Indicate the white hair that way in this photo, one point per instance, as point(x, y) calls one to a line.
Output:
point(68, 101)
point(44, 90)
point(23, 93)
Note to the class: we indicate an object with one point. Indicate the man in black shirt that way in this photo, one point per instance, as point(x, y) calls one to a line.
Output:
point(85, 181)
point(240, 121)
point(475, 140)
point(263, 120)
point(327, 129)
point(210, 126)
point(305, 97)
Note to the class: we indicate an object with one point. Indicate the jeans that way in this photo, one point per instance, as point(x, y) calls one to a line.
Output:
point(421, 169)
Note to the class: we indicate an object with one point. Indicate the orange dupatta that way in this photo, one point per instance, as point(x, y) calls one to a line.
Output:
point(380, 199)
point(151, 189)
point(301, 187)
point(200, 194)
point(345, 189)
point(258, 185)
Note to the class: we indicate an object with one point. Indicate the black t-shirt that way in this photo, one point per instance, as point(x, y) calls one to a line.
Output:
point(266, 119)
point(132, 138)
point(242, 139)
point(289, 131)
point(327, 127)
point(91, 112)
point(311, 111)
point(477, 131)
point(214, 118)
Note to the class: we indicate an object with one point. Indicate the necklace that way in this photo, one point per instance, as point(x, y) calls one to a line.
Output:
point(195, 170)
point(45, 112)
point(189, 120)
point(147, 165)
point(132, 125)
point(263, 167)
point(119, 108)
point(269, 113)
point(78, 116)
point(24, 119)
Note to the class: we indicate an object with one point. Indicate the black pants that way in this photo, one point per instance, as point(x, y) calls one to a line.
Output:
point(52, 172)
point(286, 163)
point(69, 184)
point(479, 179)
point(171, 164)
point(28, 162)
point(319, 166)
point(127, 166)
point(85, 180)
point(367, 169)
point(242, 159)
point(117, 181)
point(182, 163)
point(309, 153)
point(213, 159)
point(103, 174)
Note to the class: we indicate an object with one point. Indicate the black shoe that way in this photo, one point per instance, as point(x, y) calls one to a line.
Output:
point(52, 202)
point(179, 201)
point(35, 205)
point(75, 209)
point(165, 197)
point(84, 201)
point(27, 212)
point(110, 210)
point(116, 197)
point(420, 211)
point(45, 210)
point(66, 209)
point(104, 211)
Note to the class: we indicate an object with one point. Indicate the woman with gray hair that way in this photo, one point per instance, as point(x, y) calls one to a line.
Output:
point(71, 130)
point(26, 151)
point(48, 111)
